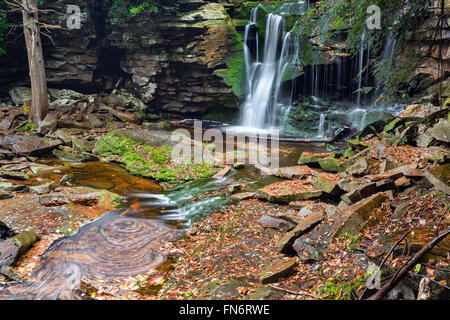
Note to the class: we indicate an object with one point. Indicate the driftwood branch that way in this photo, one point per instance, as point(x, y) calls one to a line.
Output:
point(386, 257)
point(408, 265)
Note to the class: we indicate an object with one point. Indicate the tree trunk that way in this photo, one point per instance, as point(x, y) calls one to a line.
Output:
point(39, 103)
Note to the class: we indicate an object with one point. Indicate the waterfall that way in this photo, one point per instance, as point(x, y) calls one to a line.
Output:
point(360, 68)
point(265, 77)
point(388, 52)
point(321, 132)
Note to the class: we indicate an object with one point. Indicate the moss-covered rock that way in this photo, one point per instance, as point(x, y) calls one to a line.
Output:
point(313, 158)
point(330, 164)
point(149, 160)
point(327, 185)
point(392, 125)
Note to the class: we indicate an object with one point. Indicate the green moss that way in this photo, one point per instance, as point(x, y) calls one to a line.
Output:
point(150, 161)
point(234, 74)
point(391, 125)
point(330, 164)
point(355, 146)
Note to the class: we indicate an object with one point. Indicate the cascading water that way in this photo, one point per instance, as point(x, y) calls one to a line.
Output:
point(330, 84)
point(321, 132)
point(265, 76)
point(360, 69)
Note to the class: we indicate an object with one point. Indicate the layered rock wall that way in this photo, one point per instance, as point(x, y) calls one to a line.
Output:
point(173, 61)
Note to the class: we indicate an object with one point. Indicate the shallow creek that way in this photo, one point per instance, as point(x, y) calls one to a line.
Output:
point(128, 242)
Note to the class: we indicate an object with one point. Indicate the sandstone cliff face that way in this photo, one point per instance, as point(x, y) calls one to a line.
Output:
point(430, 41)
point(174, 61)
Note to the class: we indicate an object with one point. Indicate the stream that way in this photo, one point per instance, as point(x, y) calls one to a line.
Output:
point(128, 242)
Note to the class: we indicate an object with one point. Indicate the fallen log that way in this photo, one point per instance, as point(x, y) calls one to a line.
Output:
point(408, 265)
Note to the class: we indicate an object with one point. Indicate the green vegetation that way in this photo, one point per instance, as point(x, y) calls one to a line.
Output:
point(351, 241)
point(28, 127)
point(150, 161)
point(337, 289)
point(321, 29)
point(395, 140)
point(122, 11)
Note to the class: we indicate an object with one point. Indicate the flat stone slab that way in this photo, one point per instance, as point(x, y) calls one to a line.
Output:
point(352, 219)
point(327, 209)
point(28, 145)
point(13, 175)
point(391, 174)
point(277, 270)
point(288, 191)
point(298, 205)
point(222, 173)
point(313, 158)
point(276, 223)
point(288, 239)
point(236, 198)
point(296, 172)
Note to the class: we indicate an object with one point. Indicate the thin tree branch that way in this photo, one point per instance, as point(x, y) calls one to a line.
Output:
point(408, 265)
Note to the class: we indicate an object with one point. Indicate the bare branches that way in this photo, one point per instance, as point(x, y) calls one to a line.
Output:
point(386, 257)
point(409, 264)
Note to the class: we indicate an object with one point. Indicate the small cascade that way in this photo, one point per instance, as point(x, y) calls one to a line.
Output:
point(388, 52)
point(360, 69)
point(321, 132)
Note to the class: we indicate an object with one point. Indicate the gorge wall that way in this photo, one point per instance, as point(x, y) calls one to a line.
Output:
point(185, 59)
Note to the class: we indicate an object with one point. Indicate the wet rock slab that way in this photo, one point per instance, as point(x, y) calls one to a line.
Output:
point(288, 191)
point(277, 270)
point(236, 198)
point(288, 239)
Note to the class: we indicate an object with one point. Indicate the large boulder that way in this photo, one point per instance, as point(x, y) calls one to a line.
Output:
point(285, 243)
point(27, 145)
point(440, 131)
point(20, 95)
point(352, 219)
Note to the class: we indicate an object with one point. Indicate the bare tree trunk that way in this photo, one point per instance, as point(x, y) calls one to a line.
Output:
point(39, 103)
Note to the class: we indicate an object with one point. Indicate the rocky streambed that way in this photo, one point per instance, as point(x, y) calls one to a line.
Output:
point(317, 227)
